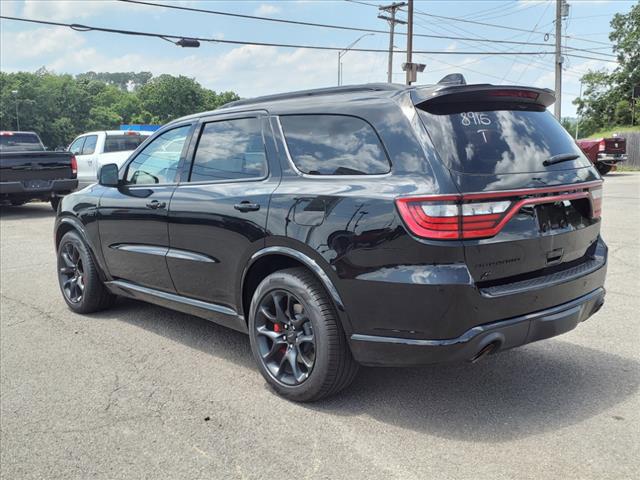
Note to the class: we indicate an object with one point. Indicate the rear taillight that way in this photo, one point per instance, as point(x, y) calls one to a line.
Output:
point(482, 215)
point(595, 194)
point(602, 146)
point(74, 166)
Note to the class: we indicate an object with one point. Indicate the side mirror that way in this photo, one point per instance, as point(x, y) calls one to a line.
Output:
point(108, 175)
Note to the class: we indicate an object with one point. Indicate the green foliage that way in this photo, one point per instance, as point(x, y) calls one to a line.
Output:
point(59, 107)
point(607, 97)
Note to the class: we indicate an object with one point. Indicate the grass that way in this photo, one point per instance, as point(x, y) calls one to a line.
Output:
point(610, 131)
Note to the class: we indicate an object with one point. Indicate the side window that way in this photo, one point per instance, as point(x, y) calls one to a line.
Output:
point(76, 146)
point(158, 162)
point(334, 145)
point(230, 150)
point(90, 145)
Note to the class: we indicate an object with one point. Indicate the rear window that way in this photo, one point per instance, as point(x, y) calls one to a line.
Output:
point(20, 142)
point(482, 140)
point(122, 143)
point(334, 145)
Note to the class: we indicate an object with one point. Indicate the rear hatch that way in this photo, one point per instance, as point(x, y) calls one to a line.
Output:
point(528, 201)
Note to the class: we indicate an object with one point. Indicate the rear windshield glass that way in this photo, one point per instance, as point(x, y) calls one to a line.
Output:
point(334, 145)
point(20, 142)
point(122, 143)
point(482, 140)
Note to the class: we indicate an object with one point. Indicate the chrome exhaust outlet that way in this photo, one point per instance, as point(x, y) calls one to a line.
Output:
point(484, 351)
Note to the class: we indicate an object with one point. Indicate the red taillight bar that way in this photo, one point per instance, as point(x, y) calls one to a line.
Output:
point(74, 166)
point(418, 213)
point(514, 93)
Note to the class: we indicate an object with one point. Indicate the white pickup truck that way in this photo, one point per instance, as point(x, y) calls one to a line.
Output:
point(94, 149)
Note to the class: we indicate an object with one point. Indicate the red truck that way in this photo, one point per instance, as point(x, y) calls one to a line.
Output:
point(605, 153)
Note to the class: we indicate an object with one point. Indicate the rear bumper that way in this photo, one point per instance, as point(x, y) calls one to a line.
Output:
point(47, 189)
point(392, 351)
point(612, 158)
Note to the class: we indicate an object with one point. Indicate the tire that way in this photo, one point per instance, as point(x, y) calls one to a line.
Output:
point(603, 168)
point(55, 201)
point(311, 315)
point(87, 293)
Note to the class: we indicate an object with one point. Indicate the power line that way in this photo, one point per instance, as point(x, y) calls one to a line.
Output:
point(313, 24)
point(163, 36)
point(456, 19)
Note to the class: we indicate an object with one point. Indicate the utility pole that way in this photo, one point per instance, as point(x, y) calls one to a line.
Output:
point(15, 97)
point(562, 11)
point(391, 9)
point(409, 41)
point(578, 119)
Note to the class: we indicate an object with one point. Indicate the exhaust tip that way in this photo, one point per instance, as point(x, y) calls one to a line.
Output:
point(484, 351)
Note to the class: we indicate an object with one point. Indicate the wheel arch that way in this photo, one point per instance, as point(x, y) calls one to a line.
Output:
point(66, 224)
point(272, 259)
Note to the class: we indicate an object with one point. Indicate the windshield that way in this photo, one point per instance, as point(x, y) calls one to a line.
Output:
point(20, 142)
point(122, 143)
point(485, 140)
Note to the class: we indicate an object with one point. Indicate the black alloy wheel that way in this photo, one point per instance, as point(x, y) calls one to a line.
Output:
point(78, 276)
point(71, 272)
point(297, 337)
point(285, 337)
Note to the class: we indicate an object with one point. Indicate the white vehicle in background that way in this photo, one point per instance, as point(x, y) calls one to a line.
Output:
point(94, 149)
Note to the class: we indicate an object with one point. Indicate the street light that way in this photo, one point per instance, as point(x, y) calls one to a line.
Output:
point(342, 53)
point(15, 95)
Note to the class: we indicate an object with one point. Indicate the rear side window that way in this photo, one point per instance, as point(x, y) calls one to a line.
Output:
point(122, 143)
point(230, 150)
point(481, 140)
point(90, 145)
point(334, 145)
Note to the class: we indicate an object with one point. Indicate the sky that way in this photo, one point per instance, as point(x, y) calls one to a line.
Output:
point(257, 70)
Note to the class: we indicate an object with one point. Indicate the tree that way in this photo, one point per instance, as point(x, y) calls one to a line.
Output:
point(606, 99)
point(59, 107)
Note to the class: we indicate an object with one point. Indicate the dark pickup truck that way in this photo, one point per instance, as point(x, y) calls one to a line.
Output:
point(29, 172)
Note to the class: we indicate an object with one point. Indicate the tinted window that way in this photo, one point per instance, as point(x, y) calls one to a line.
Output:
point(122, 143)
point(334, 145)
point(158, 162)
point(485, 141)
point(230, 150)
point(76, 146)
point(89, 145)
point(17, 142)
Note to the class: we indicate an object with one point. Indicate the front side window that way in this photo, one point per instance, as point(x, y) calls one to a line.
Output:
point(90, 145)
point(334, 145)
point(230, 150)
point(158, 162)
point(76, 146)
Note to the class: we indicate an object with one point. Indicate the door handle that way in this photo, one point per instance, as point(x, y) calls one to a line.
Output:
point(155, 204)
point(247, 206)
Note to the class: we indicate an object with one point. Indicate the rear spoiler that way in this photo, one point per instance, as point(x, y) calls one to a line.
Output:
point(454, 94)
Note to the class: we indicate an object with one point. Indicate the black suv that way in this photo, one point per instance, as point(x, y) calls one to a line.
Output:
point(375, 224)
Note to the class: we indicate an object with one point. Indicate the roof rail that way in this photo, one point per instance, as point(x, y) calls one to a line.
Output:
point(316, 92)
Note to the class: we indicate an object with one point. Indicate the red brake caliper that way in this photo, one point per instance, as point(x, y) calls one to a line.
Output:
point(277, 328)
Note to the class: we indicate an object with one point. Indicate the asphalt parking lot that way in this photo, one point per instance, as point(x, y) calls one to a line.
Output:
point(144, 392)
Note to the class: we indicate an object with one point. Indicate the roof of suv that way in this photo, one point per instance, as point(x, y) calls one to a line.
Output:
point(346, 93)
